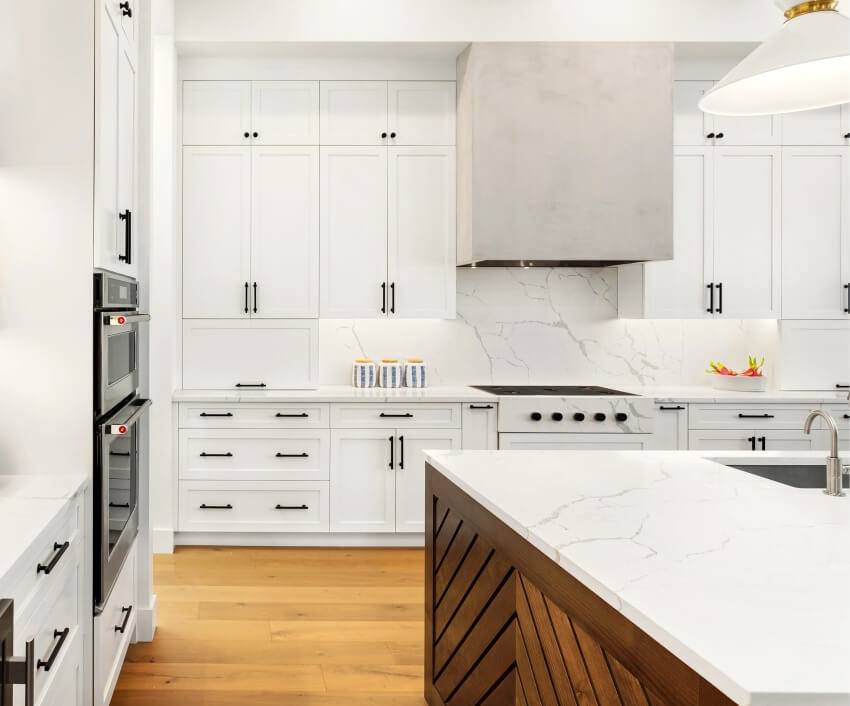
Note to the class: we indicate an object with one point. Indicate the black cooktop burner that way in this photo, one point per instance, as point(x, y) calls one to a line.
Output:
point(553, 390)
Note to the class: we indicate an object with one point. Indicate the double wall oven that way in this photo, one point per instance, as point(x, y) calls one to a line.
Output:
point(118, 413)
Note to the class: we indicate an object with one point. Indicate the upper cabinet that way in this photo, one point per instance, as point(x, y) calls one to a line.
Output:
point(421, 112)
point(827, 126)
point(353, 113)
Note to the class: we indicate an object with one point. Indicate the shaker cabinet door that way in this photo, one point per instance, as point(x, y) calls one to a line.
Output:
point(285, 112)
point(216, 112)
point(421, 113)
point(353, 113)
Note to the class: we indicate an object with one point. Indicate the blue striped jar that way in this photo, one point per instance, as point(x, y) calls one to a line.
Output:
point(390, 373)
point(364, 373)
point(415, 373)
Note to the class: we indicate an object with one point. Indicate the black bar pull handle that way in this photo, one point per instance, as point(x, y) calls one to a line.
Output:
point(847, 289)
point(383, 297)
point(392, 300)
point(406, 415)
point(60, 549)
point(481, 406)
point(756, 416)
point(720, 297)
point(216, 414)
point(226, 454)
point(303, 454)
point(401, 452)
point(246, 297)
point(752, 441)
point(204, 506)
point(392, 452)
point(255, 297)
point(119, 453)
point(763, 441)
point(126, 610)
point(119, 505)
point(46, 664)
point(839, 386)
point(299, 415)
point(127, 217)
point(250, 384)
point(847, 416)
point(710, 288)
point(291, 507)
point(671, 409)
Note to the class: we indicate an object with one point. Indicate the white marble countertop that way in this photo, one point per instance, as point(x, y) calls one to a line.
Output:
point(743, 579)
point(43, 485)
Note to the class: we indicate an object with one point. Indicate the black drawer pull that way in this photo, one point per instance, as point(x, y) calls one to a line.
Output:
point(216, 414)
point(303, 454)
point(204, 506)
point(481, 406)
point(250, 384)
point(119, 504)
point(300, 415)
point(671, 409)
point(756, 416)
point(839, 386)
point(291, 507)
point(847, 416)
point(126, 610)
point(226, 454)
point(406, 415)
point(57, 648)
point(119, 453)
point(60, 549)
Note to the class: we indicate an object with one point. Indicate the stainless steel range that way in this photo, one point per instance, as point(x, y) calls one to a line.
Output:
point(571, 417)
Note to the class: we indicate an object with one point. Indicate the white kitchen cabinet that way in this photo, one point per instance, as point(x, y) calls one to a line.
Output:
point(671, 427)
point(285, 232)
point(732, 131)
point(816, 233)
point(825, 126)
point(421, 112)
point(587, 442)
point(480, 424)
point(815, 355)
point(228, 354)
point(353, 224)
point(746, 243)
point(353, 113)
point(410, 472)
point(363, 480)
point(216, 112)
point(690, 125)
point(753, 440)
point(285, 112)
point(421, 232)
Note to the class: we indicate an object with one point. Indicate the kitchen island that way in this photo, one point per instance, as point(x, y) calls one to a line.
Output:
point(631, 577)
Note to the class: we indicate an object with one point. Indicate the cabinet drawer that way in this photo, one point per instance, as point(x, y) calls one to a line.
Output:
point(586, 442)
point(253, 506)
point(114, 629)
point(65, 688)
point(395, 416)
point(244, 415)
point(748, 416)
point(743, 440)
point(241, 454)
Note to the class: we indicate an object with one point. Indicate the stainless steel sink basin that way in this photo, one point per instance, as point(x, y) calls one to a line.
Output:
point(809, 476)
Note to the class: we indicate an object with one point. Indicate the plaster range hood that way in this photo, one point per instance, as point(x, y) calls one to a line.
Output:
point(564, 153)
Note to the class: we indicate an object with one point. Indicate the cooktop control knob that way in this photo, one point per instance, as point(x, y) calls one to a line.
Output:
point(579, 416)
point(557, 416)
point(621, 416)
point(536, 416)
point(599, 416)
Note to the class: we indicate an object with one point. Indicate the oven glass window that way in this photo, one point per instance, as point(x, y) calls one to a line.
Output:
point(121, 352)
point(121, 483)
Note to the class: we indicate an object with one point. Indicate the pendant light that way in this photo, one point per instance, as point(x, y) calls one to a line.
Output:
point(805, 65)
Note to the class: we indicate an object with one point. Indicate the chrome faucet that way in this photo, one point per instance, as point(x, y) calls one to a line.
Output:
point(834, 469)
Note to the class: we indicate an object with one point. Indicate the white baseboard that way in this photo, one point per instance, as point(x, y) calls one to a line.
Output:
point(146, 622)
point(273, 539)
point(162, 540)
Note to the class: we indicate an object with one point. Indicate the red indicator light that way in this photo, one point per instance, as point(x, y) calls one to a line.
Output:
point(122, 320)
point(122, 429)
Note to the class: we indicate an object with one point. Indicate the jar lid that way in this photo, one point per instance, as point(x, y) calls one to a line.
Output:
point(389, 360)
point(414, 360)
point(363, 360)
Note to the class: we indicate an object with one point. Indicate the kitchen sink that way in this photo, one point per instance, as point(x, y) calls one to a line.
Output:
point(808, 476)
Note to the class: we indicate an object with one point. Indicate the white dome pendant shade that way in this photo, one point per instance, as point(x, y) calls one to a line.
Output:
point(805, 65)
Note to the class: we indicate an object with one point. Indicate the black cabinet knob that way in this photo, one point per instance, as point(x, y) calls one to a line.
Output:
point(247, 134)
point(126, 10)
point(578, 417)
point(255, 134)
point(600, 417)
point(557, 416)
point(719, 136)
point(709, 136)
point(536, 416)
point(847, 136)
point(621, 416)
point(392, 135)
point(383, 136)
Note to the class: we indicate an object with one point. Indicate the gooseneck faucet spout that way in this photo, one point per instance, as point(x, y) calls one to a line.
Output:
point(834, 470)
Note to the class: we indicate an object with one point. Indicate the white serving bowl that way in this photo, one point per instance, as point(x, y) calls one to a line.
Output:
point(739, 383)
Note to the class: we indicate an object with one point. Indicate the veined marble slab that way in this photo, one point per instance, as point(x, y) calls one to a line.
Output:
point(745, 580)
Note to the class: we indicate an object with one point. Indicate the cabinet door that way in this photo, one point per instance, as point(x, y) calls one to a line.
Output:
point(721, 440)
point(353, 113)
point(216, 112)
point(353, 226)
point(363, 480)
point(671, 427)
point(127, 225)
point(690, 125)
point(421, 232)
point(285, 112)
point(815, 232)
point(216, 231)
point(734, 131)
point(814, 127)
point(285, 232)
point(677, 288)
point(815, 355)
point(746, 231)
point(410, 473)
point(480, 426)
point(587, 442)
point(421, 112)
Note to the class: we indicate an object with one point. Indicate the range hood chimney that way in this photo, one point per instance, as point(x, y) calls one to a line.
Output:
point(564, 153)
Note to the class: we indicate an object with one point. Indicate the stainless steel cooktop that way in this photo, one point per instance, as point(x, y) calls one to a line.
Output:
point(552, 390)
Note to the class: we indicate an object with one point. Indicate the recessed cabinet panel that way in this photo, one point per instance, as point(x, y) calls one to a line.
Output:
point(126, 235)
point(285, 112)
point(480, 426)
point(690, 125)
point(734, 131)
point(421, 112)
point(353, 113)
point(216, 112)
point(216, 232)
point(815, 355)
point(825, 126)
point(587, 442)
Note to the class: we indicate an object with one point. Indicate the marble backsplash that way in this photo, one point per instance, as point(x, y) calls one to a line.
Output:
point(548, 326)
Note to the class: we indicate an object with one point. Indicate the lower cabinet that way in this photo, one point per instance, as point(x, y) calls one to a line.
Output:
point(588, 442)
point(754, 440)
point(671, 427)
point(480, 421)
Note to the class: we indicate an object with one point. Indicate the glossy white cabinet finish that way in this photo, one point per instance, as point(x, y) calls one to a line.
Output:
point(815, 355)
point(826, 126)
point(816, 233)
point(251, 415)
point(285, 112)
point(353, 113)
point(216, 231)
point(216, 112)
point(554, 441)
point(421, 232)
point(671, 427)
point(396, 415)
point(353, 224)
point(480, 424)
point(224, 354)
point(742, 440)
point(421, 112)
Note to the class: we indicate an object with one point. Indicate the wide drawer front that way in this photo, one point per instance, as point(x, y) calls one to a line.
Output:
point(746, 416)
point(246, 415)
point(254, 506)
point(212, 454)
point(65, 688)
point(755, 440)
point(586, 442)
point(395, 416)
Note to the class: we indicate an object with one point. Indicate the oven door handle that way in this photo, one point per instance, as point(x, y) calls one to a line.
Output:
point(120, 429)
point(124, 319)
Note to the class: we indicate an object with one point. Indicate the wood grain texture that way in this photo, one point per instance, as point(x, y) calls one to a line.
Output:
point(263, 626)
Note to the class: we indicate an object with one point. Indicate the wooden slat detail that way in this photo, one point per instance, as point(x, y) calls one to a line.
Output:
point(505, 693)
point(597, 667)
point(545, 686)
point(464, 578)
point(497, 660)
point(631, 691)
point(526, 674)
point(465, 536)
point(582, 687)
point(654, 699)
point(445, 536)
point(441, 512)
point(492, 620)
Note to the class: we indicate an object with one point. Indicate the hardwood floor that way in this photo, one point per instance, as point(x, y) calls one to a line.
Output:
point(263, 626)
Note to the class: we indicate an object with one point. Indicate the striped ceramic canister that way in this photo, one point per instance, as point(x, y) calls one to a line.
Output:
point(363, 373)
point(414, 373)
point(389, 374)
